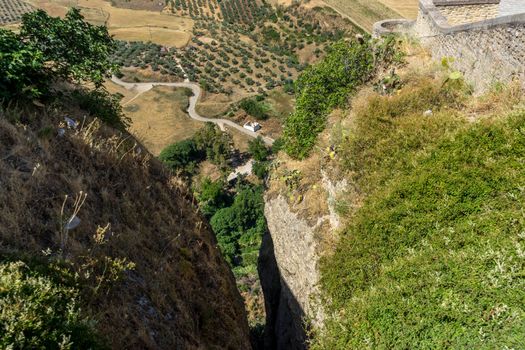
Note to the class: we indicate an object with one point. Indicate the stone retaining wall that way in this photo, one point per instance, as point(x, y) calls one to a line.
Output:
point(486, 51)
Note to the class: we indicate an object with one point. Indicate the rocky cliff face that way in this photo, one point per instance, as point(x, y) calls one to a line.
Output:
point(290, 254)
point(180, 294)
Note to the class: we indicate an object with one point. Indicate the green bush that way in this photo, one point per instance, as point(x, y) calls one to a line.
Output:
point(212, 196)
point(258, 149)
point(182, 156)
point(103, 105)
point(260, 169)
point(36, 312)
point(256, 109)
point(216, 144)
point(327, 85)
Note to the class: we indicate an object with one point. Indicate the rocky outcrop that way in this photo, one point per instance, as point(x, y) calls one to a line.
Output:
point(289, 268)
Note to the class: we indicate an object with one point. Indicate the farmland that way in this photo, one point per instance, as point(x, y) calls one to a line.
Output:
point(363, 12)
point(11, 11)
point(126, 23)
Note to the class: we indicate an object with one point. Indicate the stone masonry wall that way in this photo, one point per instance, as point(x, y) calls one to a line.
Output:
point(485, 54)
point(469, 13)
point(487, 51)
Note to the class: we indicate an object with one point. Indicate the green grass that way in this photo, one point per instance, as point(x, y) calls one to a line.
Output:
point(434, 257)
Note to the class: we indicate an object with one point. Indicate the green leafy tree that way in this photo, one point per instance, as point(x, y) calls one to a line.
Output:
point(182, 156)
point(254, 108)
point(21, 68)
point(258, 149)
point(212, 196)
point(74, 49)
point(217, 145)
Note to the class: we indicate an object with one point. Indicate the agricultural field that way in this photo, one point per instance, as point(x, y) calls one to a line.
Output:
point(126, 23)
point(232, 62)
point(230, 11)
point(366, 12)
point(11, 11)
point(407, 8)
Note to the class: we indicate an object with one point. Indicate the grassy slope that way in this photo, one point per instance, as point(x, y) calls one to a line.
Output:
point(433, 258)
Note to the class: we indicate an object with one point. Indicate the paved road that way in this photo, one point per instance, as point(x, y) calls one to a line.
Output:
point(140, 88)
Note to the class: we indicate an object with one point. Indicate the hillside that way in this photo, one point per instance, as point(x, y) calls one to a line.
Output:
point(178, 292)
point(101, 246)
point(405, 218)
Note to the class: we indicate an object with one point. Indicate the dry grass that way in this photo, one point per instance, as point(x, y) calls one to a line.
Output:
point(214, 105)
point(161, 36)
point(126, 24)
point(158, 119)
point(407, 8)
point(181, 293)
point(363, 12)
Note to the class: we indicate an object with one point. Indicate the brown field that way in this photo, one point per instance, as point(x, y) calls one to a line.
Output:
point(150, 5)
point(161, 36)
point(158, 119)
point(364, 12)
point(126, 24)
point(407, 8)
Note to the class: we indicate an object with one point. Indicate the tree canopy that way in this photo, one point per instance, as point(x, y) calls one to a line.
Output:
point(50, 49)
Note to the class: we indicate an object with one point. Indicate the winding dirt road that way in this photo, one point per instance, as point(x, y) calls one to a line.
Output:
point(141, 88)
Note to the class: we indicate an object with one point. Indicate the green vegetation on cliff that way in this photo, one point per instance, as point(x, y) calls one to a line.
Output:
point(433, 258)
point(327, 85)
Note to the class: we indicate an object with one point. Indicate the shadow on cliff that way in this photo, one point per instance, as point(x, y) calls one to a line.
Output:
point(284, 329)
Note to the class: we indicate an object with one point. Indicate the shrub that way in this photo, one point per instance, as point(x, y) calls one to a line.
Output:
point(327, 85)
point(256, 109)
point(260, 169)
point(182, 156)
point(40, 313)
point(103, 105)
point(212, 196)
point(258, 149)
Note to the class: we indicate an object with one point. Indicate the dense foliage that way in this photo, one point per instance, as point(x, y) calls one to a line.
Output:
point(239, 228)
point(78, 51)
point(49, 49)
point(216, 144)
point(327, 85)
point(38, 312)
point(208, 143)
point(182, 155)
point(260, 154)
point(255, 108)
point(212, 196)
point(434, 257)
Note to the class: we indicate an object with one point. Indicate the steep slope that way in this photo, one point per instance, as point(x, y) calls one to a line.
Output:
point(406, 220)
point(146, 263)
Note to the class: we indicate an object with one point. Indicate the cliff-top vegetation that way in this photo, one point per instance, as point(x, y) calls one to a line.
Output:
point(432, 255)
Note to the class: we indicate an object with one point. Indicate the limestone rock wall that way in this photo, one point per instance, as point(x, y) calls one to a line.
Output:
point(289, 267)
